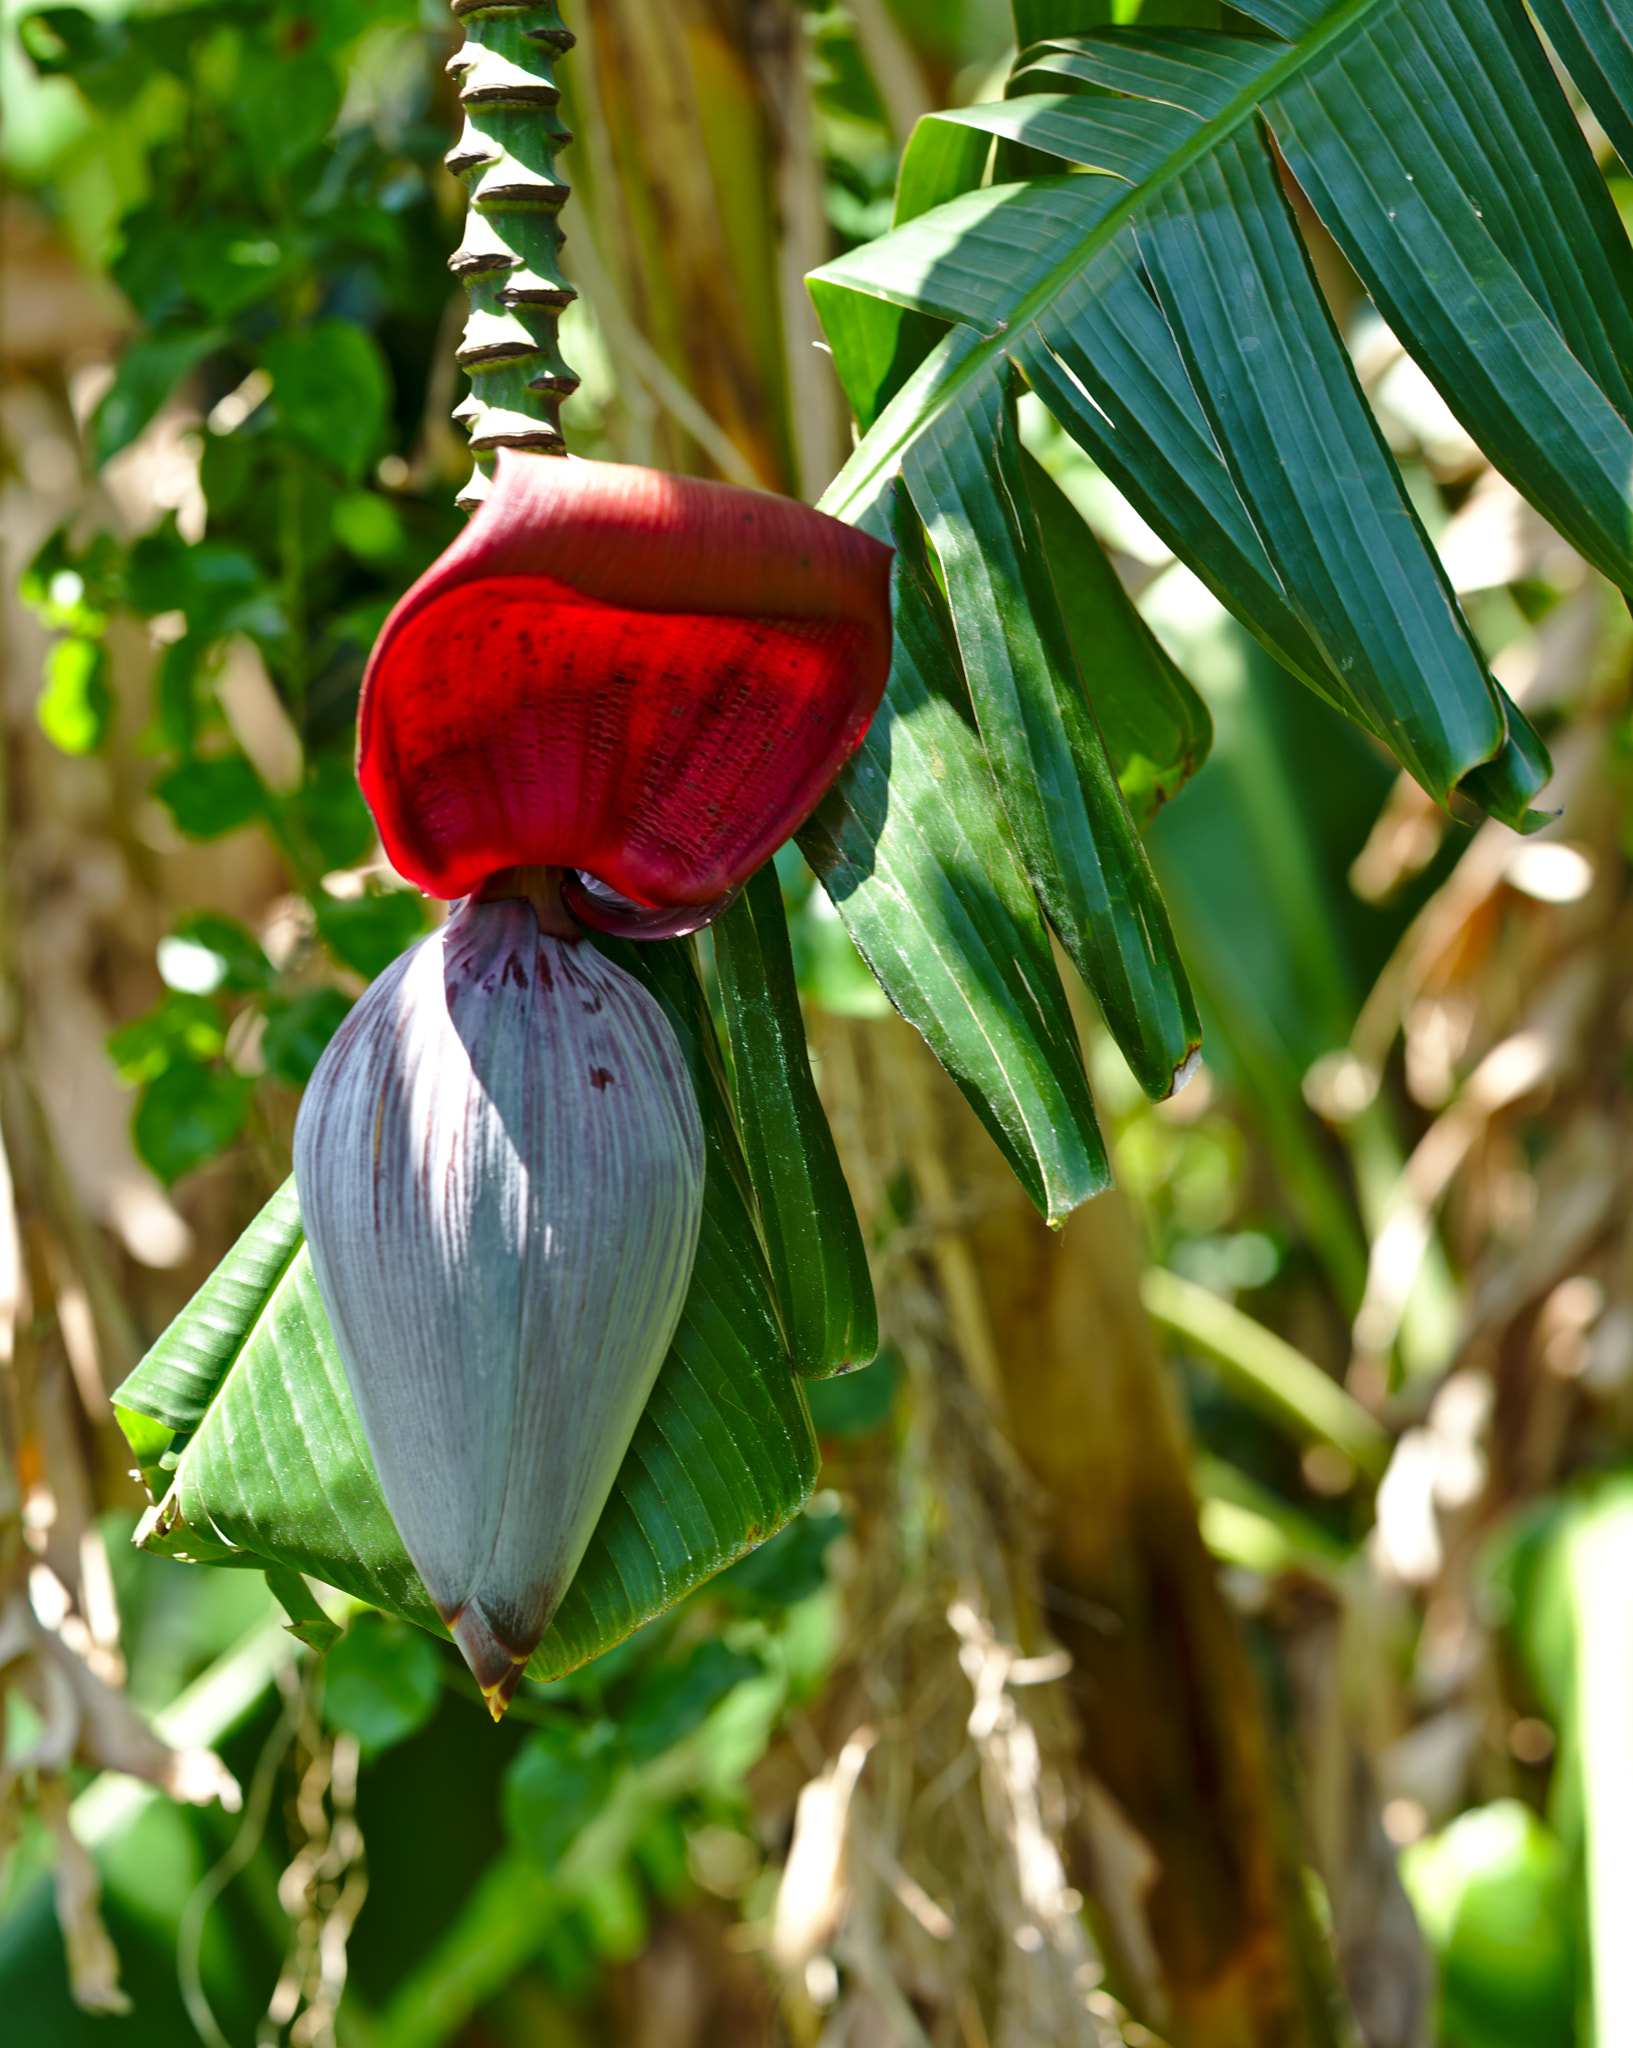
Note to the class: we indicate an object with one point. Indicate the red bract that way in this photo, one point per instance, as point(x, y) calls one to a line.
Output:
point(646, 677)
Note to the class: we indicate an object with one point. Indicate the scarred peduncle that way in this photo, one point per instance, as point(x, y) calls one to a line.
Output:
point(509, 258)
point(540, 887)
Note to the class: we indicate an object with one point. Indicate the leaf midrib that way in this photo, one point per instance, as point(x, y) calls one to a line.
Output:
point(142, 1403)
point(860, 478)
point(274, 1292)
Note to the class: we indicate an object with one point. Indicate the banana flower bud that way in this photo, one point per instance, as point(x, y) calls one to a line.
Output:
point(615, 694)
point(500, 1167)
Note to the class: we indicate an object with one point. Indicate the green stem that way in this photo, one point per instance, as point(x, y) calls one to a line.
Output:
point(509, 259)
point(1268, 1373)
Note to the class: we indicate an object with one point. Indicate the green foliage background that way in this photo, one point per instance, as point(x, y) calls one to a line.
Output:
point(264, 185)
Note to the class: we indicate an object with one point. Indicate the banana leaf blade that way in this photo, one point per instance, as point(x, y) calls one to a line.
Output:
point(1310, 464)
point(812, 1234)
point(1049, 275)
point(913, 846)
point(1054, 779)
point(1156, 728)
point(1596, 48)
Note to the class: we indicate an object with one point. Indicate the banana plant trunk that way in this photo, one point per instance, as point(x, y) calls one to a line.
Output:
point(1177, 1827)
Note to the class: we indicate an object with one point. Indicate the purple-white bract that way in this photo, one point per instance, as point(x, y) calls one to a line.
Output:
point(500, 1169)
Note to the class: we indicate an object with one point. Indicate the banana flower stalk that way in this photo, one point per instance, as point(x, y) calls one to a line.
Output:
point(605, 705)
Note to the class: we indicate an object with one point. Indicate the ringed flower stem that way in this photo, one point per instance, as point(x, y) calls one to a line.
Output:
point(509, 259)
point(540, 888)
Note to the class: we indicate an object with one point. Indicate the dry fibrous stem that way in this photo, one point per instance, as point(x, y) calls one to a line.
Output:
point(325, 1883)
point(1062, 1702)
point(509, 259)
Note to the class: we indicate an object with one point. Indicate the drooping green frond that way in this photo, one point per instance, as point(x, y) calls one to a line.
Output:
point(813, 1238)
point(920, 856)
point(1154, 291)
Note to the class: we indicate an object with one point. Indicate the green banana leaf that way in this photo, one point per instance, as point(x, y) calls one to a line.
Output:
point(1158, 731)
point(1591, 37)
point(812, 1233)
point(243, 1424)
point(1154, 292)
point(915, 848)
point(1055, 781)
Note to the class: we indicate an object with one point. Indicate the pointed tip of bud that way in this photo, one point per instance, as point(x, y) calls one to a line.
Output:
point(499, 1696)
point(497, 1667)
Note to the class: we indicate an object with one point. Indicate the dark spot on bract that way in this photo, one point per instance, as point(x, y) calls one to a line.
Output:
point(600, 1076)
point(514, 971)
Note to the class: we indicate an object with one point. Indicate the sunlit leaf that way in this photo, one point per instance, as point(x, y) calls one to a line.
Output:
point(812, 1234)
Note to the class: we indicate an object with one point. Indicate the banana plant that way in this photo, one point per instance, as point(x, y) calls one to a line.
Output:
point(1114, 236)
point(335, 1370)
